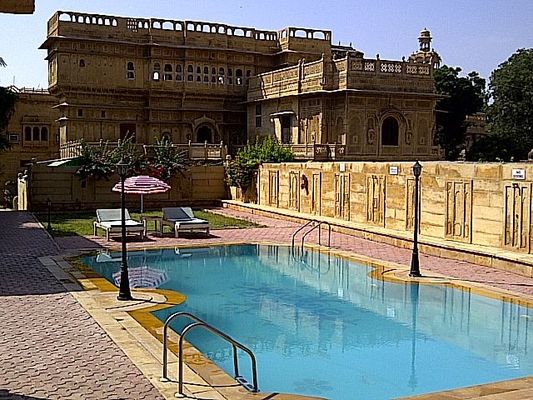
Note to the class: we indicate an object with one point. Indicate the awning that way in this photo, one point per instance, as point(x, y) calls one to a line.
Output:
point(282, 113)
point(68, 162)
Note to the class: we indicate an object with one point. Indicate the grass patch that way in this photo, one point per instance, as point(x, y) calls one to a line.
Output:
point(81, 223)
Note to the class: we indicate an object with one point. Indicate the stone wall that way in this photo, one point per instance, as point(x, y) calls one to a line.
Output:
point(199, 186)
point(466, 204)
point(32, 132)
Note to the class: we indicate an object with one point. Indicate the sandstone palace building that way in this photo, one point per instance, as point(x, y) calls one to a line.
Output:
point(202, 82)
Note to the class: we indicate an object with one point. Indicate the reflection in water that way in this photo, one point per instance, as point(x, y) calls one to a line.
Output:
point(322, 325)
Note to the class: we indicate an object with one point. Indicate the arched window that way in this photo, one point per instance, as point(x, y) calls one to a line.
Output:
point(178, 68)
point(238, 77)
point(198, 70)
point(190, 68)
point(206, 70)
point(36, 133)
point(390, 132)
point(27, 133)
point(130, 67)
point(44, 134)
point(168, 68)
point(82, 63)
point(156, 76)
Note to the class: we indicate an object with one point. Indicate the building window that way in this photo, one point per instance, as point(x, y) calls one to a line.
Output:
point(190, 78)
point(13, 138)
point(168, 72)
point(102, 114)
point(390, 132)
point(130, 68)
point(82, 63)
point(156, 75)
point(190, 69)
point(80, 112)
point(33, 134)
point(179, 72)
point(238, 77)
point(258, 115)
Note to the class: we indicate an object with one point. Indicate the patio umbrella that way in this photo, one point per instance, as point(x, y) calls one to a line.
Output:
point(143, 277)
point(142, 185)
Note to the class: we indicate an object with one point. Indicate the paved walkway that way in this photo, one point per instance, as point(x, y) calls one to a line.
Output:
point(50, 348)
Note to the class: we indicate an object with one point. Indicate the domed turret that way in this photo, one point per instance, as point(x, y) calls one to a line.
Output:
point(425, 40)
point(426, 55)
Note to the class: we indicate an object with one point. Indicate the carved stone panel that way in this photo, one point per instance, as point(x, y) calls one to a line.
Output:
point(459, 210)
point(316, 194)
point(375, 195)
point(273, 188)
point(294, 191)
point(517, 216)
point(342, 196)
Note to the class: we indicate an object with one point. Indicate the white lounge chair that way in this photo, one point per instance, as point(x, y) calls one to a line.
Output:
point(182, 219)
point(110, 220)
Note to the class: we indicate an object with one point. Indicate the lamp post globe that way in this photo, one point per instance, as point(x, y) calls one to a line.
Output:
point(124, 292)
point(415, 263)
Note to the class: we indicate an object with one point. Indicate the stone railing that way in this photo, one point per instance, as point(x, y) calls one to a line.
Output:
point(317, 152)
point(191, 151)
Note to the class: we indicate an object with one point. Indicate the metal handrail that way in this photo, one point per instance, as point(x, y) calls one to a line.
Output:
point(299, 229)
point(318, 225)
point(165, 331)
point(199, 322)
point(234, 344)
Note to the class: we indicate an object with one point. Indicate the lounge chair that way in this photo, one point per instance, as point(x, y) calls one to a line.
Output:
point(182, 219)
point(110, 220)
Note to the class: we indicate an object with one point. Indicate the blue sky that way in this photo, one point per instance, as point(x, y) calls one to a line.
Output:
point(475, 35)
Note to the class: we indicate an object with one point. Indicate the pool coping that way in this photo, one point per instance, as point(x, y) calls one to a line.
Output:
point(135, 330)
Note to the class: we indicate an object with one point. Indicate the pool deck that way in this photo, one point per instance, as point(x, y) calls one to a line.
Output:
point(64, 335)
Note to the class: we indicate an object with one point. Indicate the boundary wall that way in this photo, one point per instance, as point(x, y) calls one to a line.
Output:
point(476, 212)
point(198, 186)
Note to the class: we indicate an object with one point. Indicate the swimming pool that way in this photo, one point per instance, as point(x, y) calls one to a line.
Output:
point(322, 325)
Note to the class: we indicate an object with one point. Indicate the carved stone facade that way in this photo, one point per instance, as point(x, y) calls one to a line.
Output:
point(116, 76)
point(201, 81)
point(376, 109)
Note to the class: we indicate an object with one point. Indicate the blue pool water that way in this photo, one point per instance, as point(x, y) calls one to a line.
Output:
point(321, 325)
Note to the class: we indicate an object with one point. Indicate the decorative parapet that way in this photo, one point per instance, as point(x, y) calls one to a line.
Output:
point(347, 73)
point(97, 25)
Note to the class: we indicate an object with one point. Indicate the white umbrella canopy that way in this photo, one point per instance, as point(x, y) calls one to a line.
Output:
point(142, 184)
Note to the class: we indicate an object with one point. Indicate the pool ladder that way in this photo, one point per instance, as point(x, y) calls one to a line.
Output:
point(199, 323)
point(314, 223)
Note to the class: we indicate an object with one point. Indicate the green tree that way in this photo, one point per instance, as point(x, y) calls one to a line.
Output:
point(7, 105)
point(241, 171)
point(510, 115)
point(463, 95)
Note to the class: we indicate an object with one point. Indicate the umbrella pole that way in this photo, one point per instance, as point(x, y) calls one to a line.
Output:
point(142, 206)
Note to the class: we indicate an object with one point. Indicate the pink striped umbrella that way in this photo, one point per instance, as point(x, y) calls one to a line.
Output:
point(142, 185)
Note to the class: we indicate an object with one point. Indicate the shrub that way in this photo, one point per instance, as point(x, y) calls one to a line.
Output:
point(241, 171)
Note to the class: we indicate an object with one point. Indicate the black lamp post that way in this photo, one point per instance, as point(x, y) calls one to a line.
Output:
point(124, 292)
point(49, 207)
point(415, 264)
